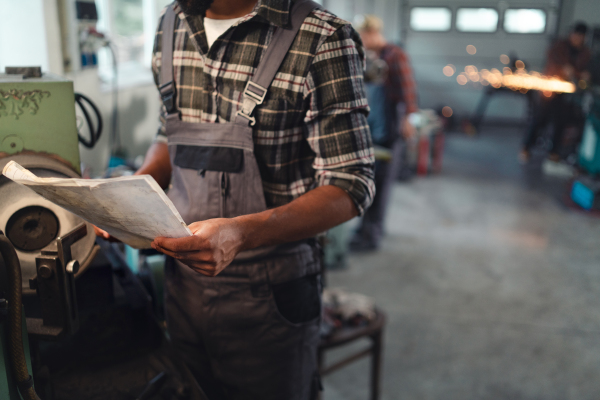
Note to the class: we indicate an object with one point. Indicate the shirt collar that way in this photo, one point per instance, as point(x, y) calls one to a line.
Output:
point(275, 11)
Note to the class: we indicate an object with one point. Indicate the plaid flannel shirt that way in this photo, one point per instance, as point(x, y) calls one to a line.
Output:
point(312, 128)
point(400, 81)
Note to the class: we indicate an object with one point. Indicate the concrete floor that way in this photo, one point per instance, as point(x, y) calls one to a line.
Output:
point(491, 285)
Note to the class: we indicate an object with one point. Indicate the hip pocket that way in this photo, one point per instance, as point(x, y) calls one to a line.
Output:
point(298, 302)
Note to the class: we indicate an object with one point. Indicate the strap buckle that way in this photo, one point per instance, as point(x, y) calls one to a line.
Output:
point(255, 91)
point(248, 117)
point(254, 95)
point(167, 95)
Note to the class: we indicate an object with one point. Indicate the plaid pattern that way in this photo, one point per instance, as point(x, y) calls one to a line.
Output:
point(312, 128)
point(400, 80)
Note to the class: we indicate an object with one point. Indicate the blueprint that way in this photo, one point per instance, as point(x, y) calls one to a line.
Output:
point(133, 209)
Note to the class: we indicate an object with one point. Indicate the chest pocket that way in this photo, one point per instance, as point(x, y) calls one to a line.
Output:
point(214, 182)
point(209, 158)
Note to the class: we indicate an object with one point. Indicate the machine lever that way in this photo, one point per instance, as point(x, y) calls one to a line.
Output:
point(55, 286)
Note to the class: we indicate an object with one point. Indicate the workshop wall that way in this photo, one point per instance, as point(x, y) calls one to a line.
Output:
point(587, 11)
point(22, 30)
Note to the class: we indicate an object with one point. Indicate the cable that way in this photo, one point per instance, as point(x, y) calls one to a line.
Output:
point(115, 139)
point(94, 133)
point(15, 320)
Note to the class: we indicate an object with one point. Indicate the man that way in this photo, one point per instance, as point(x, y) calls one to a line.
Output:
point(568, 60)
point(263, 144)
point(392, 97)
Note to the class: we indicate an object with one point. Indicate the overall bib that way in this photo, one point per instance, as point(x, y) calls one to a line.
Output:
point(231, 330)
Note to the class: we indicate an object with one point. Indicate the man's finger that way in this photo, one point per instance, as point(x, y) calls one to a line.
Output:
point(202, 267)
point(105, 235)
point(100, 232)
point(190, 256)
point(185, 244)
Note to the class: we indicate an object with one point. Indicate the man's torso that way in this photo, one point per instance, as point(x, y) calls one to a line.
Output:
point(210, 85)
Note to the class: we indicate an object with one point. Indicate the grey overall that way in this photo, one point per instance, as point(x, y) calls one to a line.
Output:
point(234, 332)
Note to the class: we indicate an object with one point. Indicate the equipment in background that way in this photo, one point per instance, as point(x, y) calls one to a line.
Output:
point(589, 152)
point(55, 285)
point(425, 150)
point(349, 318)
point(585, 192)
point(95, 130)
point(80, 39)
point(81, 43)
point(38, 130)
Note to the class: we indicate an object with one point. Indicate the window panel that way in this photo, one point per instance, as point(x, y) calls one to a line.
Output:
point(525, 20)
point(476, 20)
point(128, 29)
point(433, 19)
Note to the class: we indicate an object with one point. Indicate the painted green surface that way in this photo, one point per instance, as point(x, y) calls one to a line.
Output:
point(38, 115)
point(8, 388)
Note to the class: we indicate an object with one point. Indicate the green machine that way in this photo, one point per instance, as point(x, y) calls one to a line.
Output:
point(38, 130)
point(37, 117)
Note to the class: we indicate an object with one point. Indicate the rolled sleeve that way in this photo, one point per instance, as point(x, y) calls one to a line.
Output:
point(336, 122)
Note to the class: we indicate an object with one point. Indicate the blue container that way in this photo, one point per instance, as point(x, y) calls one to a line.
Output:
point(582, 195)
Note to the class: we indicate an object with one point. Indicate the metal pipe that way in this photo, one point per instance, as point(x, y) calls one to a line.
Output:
point(15, 320)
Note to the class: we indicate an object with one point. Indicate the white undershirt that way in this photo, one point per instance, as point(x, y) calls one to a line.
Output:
point(216, 27)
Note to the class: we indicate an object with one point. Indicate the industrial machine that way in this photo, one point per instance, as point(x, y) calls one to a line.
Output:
point(75, 321)
point(38, 130)
point(585, 191)
point(79, 39)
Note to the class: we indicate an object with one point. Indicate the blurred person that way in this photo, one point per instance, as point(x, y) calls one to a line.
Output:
point(567, 59)
point(392, 95)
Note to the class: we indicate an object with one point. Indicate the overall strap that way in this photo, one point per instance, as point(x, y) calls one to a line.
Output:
point(258, 85)
point(167, 86)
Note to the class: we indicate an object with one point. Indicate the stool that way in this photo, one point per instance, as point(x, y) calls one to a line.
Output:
point(344, 335)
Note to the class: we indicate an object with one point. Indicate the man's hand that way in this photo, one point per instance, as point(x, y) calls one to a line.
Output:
point(213, 246)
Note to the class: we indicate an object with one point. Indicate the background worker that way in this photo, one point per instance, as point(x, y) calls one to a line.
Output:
point(257, 170)
point(567, 59)
point(392, 98)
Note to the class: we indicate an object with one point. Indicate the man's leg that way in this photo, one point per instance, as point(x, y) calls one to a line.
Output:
point(183, 331)
point(559, 117)
point(264, 335)
point(538, 121)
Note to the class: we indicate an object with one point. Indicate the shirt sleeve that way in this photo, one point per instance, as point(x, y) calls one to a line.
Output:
point(161, 135)
point(401, 77)
point(336, 121)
